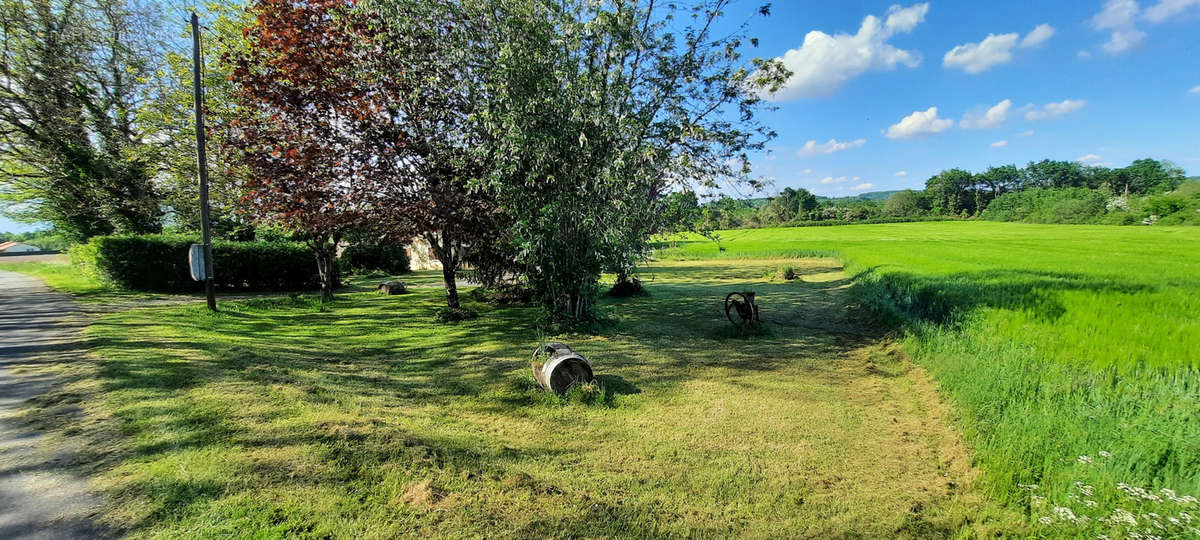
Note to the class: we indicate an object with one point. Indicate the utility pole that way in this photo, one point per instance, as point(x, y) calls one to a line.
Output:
point(202, 162)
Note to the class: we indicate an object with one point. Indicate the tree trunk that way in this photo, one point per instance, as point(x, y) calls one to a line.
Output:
point(451, 285)
point(327, 266)
point(448, 254)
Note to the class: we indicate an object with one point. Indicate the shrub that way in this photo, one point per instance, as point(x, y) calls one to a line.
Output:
point(626, 288)
point(160, 263)
point(367, 257)
point(786, 273)
point(1065, 205)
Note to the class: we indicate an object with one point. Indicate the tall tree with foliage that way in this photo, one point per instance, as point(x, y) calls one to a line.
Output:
point(599, 110)
point(296, 131)
point(76, 78)
point(222, 22)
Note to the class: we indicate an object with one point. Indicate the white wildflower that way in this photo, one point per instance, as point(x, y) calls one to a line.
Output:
point(1085, 459)
point(1085, 489)
point(1090, 503)
point(1065, 514)
point(1104, 454)
point(1046, 520)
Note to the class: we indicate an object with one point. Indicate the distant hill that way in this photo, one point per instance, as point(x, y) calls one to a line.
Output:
point(868, 196)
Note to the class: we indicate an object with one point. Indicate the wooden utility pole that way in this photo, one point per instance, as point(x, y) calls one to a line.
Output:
point(202, 162)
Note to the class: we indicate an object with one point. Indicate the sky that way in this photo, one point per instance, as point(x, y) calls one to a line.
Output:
point(885, 95)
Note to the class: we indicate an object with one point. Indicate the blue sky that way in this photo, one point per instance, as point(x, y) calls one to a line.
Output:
point(1102, 81)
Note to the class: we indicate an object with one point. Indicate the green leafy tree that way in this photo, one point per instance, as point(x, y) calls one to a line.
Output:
point(950, 192)
point(907, 203)
point(600, 109)
point(76, 78)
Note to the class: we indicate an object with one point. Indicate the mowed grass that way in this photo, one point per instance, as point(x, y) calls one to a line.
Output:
point(366, 419)
point(59, 275)
point(1054, 343)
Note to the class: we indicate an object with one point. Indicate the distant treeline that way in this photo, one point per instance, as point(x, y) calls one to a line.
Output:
point(1146, 192)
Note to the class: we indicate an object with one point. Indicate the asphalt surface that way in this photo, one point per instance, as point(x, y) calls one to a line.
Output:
point(40, 497)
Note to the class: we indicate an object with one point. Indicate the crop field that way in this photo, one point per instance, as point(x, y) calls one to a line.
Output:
point(1053, 343)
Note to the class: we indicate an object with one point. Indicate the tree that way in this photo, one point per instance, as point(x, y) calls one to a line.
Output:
point(950, 193)
point(907, 203)
point(222, 23)
point(1055, 174)
point(599, 111)
point(363, 117)
point(1151, 176)
point(297, 106)
point(75, 79)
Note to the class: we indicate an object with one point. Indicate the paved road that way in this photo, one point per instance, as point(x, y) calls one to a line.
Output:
point(39, 497)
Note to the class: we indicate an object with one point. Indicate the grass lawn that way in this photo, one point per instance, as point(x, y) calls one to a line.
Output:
point(58, 275)
point(1059, 345)
point(283, 418)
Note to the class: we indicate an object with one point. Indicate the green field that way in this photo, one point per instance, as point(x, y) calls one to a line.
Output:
point(1052, 342)
point(917, 392)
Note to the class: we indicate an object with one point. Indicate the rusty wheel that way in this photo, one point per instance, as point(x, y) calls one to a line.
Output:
point(740, 309)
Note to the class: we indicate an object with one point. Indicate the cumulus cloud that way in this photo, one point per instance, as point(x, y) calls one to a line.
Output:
point(1028, 133)
point(919, 124)
point(837, 179)
point(1000, 144)
point(1088, 158)
point(863, 187)
point(824, 63)
point(1119, 17)
point(901, 173)
point(1038, 35)
point(1195, 90)
point(1051, 110)
point(993, 50)
point(832, 146)
point(979, 57)
point(807, 171)
point(991, 118)
point(1166, 9)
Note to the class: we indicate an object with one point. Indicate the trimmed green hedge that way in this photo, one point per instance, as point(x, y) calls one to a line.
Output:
point(159, 262)
point(367, 257)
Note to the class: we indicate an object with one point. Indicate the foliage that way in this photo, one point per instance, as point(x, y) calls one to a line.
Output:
point(160, 263)
point(907, 203)
point(172, 113)
point(74, 150)
point(48, 240)
point(599, 110)
point(366, 257)
point(1049, 205)
point(1052, 342)
point(455, 314)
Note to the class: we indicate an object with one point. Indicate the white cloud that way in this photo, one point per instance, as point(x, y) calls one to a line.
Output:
point(824, 63)
point(835, 180)
point(1026, 133)
point(863, 187)
point(901, 173)
point(1195, 90)
point(1051, 110)
point(807, 171)
point(991, 118)
point(832, 146)
point(1119, 16)
point(1083, 55)
point(1038, 35)
point(979, 57)
point(993, 50)
point(1088, 158)
point(999, 144)
point(918, 124)
point(1166, 9)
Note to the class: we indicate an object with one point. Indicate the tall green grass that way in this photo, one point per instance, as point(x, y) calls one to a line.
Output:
point(1053, 342)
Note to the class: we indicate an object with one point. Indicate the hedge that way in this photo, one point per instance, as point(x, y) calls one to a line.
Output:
point(367, 257)
point(159, 263)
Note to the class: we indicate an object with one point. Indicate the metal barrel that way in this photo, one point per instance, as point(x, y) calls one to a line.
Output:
point(563, 369)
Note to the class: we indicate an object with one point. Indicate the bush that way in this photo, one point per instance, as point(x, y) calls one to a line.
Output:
point(365, 258)
point(159, 263)
point(1065, 205)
